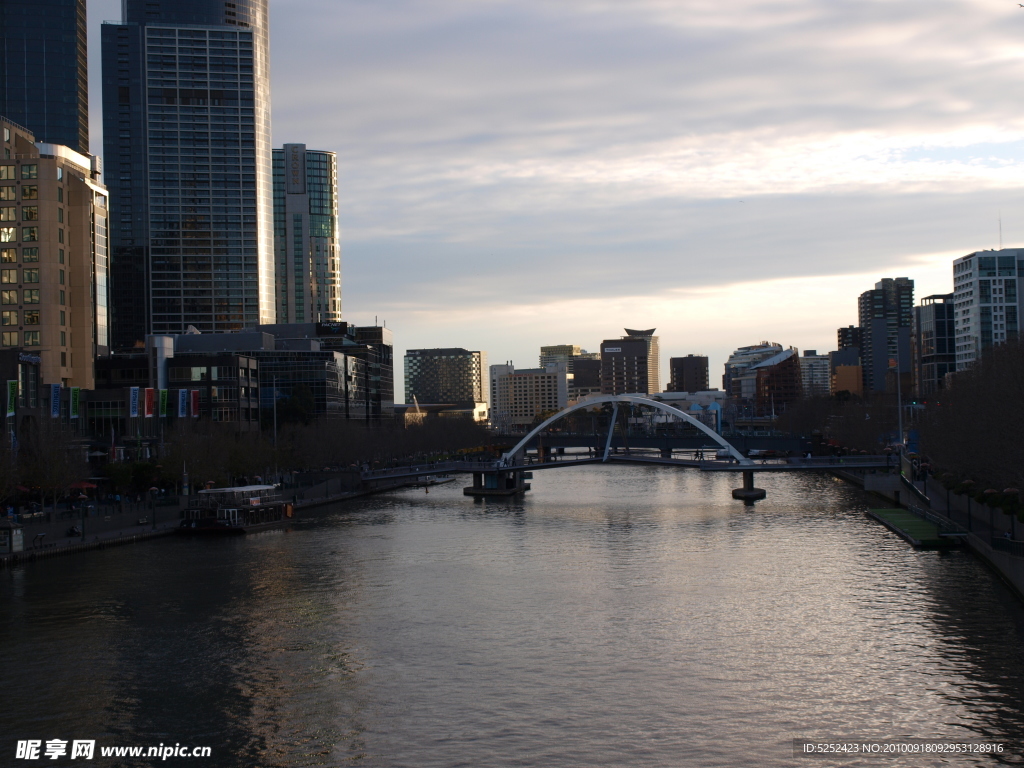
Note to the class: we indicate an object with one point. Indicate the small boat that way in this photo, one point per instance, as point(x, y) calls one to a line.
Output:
point(235, 511)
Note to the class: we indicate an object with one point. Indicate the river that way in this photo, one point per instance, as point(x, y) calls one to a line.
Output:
point(614, 616)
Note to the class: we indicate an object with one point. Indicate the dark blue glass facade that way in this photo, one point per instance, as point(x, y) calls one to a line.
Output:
point(44, 84)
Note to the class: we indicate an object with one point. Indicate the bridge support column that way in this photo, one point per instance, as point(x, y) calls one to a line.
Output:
point(748, 492)
point(508, 482)
point(666, 453)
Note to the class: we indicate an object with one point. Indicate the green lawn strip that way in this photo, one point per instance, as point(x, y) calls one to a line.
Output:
point(913, 526)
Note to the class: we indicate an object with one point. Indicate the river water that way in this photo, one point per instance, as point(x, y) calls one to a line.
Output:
point(615, 616)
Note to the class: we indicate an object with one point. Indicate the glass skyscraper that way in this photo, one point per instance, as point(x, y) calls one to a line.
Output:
point(186, 116)
point(44, 84)
point(307, 257)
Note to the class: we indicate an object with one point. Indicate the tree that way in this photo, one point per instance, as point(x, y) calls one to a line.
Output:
point(51, 459)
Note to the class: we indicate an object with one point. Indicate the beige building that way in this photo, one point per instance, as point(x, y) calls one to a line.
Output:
point(53, 256)
point(520, 397)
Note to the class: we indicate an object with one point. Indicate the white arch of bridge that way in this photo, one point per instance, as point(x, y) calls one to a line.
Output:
point(616, 400)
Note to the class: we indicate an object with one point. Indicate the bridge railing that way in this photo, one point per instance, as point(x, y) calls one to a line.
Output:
point(429, 468)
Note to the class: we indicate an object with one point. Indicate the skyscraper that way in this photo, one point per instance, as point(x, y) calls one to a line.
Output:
point(44, 84)
point(934, 343)
point(688, 374)
point(307, 257)
point(987, 302)
point(186, 116)
point(886, 315)
point(631, 364)
point(451, 375)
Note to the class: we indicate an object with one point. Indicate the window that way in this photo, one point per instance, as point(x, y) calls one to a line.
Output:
point(9, 317)
point(30, 213)
point(63, 339)
point(10, 338)
point(31, 234)
point(60, 194)
point(7, 172)
point(8, 255)
point(31, 296)
point(30, 254)
point(61, 297)
point(60, 215)
point(61, 278)
point(29, 192)
point(8, 276)
point(8, 297)
point(30, 171)
point(31, 317)
point(31, 338)
point(60, 255)
point(8, 214)
point(60, 174)
point(60, 236)
point(31, 276)
point(7, 234)
point(6, 193)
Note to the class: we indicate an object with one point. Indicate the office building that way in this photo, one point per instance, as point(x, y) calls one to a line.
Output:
point(53, 256)
point(815, 374)
point(566, 353)
point(848, 337)
point(44, 84)
point(307, 253)
point(778, 382)
point(986, 301)
point(933, 343)
point(630, 364)
point(885, 317)
point(186, 120)
point(451, 375)
point(585, 379)
point(739, 380)
point(523, 397)
point(845, 372)
point(688, 374)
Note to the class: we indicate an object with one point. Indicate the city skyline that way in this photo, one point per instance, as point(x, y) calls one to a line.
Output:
point(468, 167)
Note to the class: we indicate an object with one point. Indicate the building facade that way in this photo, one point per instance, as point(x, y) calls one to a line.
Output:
point(885, 318)
point(186, 120)
point(53, 256)
point(565, 353)
point(738, 380)
point(688, 374)
point(986, 301)
point(44, 83)
point(631, 363)
point(815, 374)
point(524, 396)
point(307, 254)
point(447, 375)
point(778, 382)
point(934, 343)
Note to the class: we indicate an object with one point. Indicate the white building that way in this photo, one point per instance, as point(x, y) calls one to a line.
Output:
point(987, 303)
point(519, 397)
point(815, 374)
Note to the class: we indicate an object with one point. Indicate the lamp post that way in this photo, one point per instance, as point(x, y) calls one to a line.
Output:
point(275, 416)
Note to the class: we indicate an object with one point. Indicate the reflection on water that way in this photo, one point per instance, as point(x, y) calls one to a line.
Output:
point(614, 616)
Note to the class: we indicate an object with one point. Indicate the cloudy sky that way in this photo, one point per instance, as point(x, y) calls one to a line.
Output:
point(522, 173)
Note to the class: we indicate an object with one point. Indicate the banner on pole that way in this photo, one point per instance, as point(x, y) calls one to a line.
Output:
point(150, 402)
point(133, 401)
point(76, 396)
point(12, 396)
point(182, 403)
point(55, 401)
point(163, 403)
point(195, 403)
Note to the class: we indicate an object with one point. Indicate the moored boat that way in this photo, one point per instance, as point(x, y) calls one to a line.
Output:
point(235, 511)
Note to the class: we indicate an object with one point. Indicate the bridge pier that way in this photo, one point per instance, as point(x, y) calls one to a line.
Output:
point(748, 492)
point(666, 453)
point(507, 482)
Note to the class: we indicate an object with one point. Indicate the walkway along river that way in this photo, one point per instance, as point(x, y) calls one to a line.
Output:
point(614, 616)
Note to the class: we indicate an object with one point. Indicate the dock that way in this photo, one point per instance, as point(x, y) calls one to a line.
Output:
point(921, 533)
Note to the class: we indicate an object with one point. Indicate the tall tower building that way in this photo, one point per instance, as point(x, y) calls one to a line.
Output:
point(186, 120)
point(631, 364)
point(886, 315)
point(44, 84)
point(307, 252)
point(688, 374)
point(988, 302)
point(452, 375)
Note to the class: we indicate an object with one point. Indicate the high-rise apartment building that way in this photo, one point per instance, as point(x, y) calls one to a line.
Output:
point(565, 353)
point(186, 120)
point(815, 374)
point(688, 374)
point(453, 375)
point(934, 343)
point(521, 397)
point(631, 364)
point(739, 380)
point(848, 337)
point(44, 84)
point(986, 301)
point(53, 256)
point(885, 318)
point(307, 253)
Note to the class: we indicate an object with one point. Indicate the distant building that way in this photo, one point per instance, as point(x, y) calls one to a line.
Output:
point(850, 336)
point(933, 343)
point(845, 373)
point(688, 374)
point(885, 318)
point(53, 256)
point(306, 239)
point(449, 375)
point(987, 302)
point(631, 364)
point(778, 382)
point(44, 83)
point(815, 374)
point(566, 353)
point(738, 381)
point(585, 379)
point(522, 396)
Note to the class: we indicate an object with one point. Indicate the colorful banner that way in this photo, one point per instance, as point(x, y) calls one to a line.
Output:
point(133, 401)
point(150, 402)
point(55, 401)
point(163, 403)
point(182, 403)
point(195, 403)
point(12, 396)
point(76, 396)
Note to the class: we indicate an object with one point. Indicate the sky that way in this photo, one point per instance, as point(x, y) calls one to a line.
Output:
point(520, 173)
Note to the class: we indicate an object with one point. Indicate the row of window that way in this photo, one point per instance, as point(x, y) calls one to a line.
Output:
point(28, 213)
point(28, 296)
point(28, 192)
point(28, 235)
point(10, 255)
point(28, 171)
point(10, 317)
point(28, 338)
